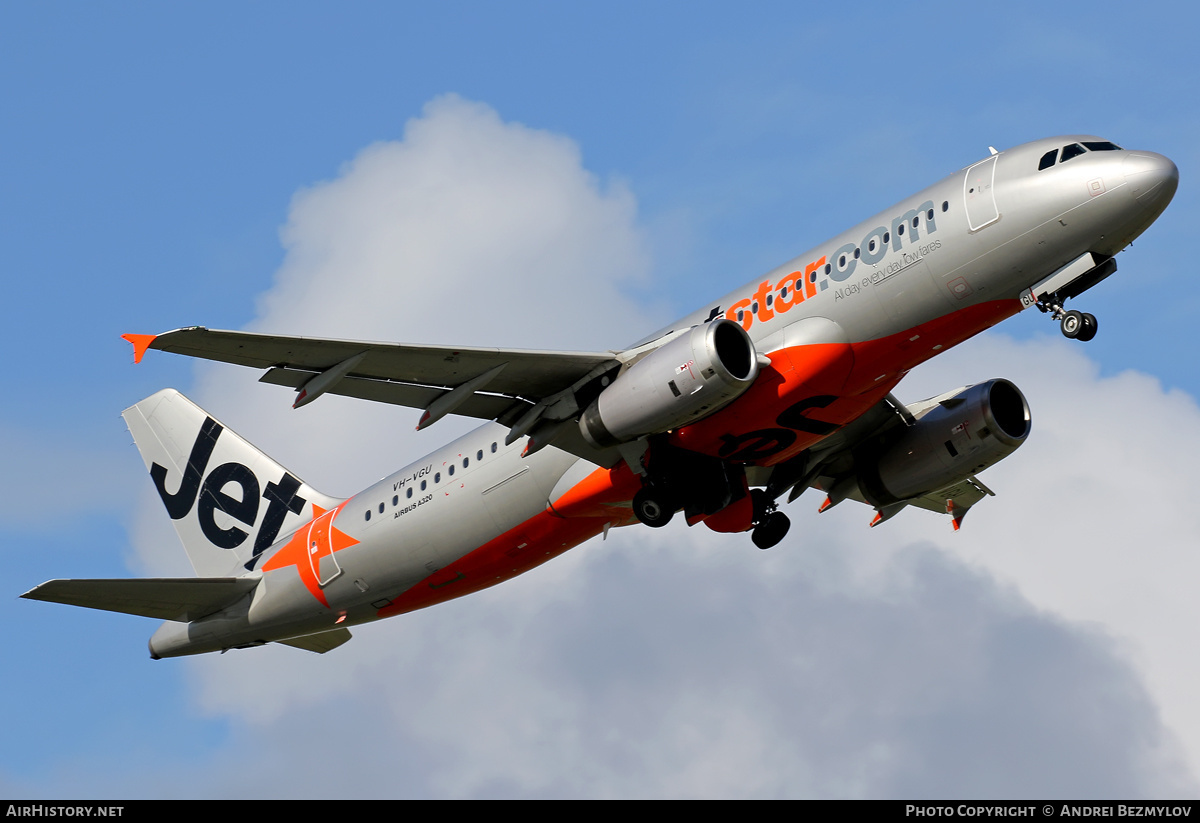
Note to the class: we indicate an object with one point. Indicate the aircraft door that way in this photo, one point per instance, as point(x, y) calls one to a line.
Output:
point(321, 557)
point(979, 194)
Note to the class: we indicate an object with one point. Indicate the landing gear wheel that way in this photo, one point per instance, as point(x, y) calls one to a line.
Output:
point(771, 530)
point(1072, 324)
point(1090, 327)
point(651, 508)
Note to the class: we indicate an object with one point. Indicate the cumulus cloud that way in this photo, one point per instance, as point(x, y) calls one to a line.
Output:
point(1016, 658)
point(686, 664)
point(1093, 517)
point(469, 231)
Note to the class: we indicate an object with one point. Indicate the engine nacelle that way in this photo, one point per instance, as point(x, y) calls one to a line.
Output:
point(958, 436)
point(682, 381)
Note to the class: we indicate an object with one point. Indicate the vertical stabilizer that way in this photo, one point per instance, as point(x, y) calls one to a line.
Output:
point(227, 500)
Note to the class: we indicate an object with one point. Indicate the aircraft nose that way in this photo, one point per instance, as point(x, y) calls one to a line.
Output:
point(1152, 179)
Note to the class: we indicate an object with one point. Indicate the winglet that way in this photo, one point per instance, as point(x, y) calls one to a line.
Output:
point(140, 342)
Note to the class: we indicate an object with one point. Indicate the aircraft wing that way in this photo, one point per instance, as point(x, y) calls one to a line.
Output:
point(521, 389)
point(834, 465)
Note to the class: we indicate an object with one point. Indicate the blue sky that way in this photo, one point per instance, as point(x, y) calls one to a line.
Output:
point(164, 165)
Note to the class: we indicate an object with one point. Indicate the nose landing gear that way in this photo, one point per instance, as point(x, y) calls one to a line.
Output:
point(1075, 325)
point(1079, 325)
point(1071, 281)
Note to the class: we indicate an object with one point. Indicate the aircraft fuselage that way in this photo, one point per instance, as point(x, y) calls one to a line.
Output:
point(835, 330)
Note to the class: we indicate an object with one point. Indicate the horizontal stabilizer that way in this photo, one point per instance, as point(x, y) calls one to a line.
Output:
point(167, 598)
point(319, 643)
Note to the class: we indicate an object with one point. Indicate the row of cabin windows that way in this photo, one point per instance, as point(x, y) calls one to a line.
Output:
point(437, 478)
point(1074, 150)
point(812, 277)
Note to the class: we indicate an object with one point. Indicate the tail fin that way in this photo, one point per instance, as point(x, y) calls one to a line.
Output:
point(227, 499)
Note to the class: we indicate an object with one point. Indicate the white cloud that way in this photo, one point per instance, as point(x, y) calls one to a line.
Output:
point(1012, 659)
point(1093, 519)
point(470, 231)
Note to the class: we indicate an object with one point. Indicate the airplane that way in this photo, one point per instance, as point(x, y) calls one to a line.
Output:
point(782, 385)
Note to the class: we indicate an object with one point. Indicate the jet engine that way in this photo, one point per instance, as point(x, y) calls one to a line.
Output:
point(956, 436)
point(688, 378)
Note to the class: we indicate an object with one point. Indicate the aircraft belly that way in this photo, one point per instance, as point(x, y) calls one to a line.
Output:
point(526, 546)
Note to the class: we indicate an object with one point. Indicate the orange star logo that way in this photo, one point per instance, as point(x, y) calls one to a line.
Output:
point(312, 542)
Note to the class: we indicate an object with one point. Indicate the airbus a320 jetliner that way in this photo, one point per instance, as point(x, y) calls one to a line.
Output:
point(779, 386)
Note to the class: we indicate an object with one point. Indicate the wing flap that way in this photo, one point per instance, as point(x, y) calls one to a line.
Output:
point(482, 406)
point(166, 598)
point(960, 496)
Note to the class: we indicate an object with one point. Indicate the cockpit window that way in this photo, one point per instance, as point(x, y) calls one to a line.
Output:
point(1072, 151)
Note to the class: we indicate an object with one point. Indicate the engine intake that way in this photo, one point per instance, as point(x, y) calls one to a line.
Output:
point(678, 383)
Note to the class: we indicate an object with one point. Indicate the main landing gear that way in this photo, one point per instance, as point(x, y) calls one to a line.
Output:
point(770, 525)
point(654, 506)
point(657, 503)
